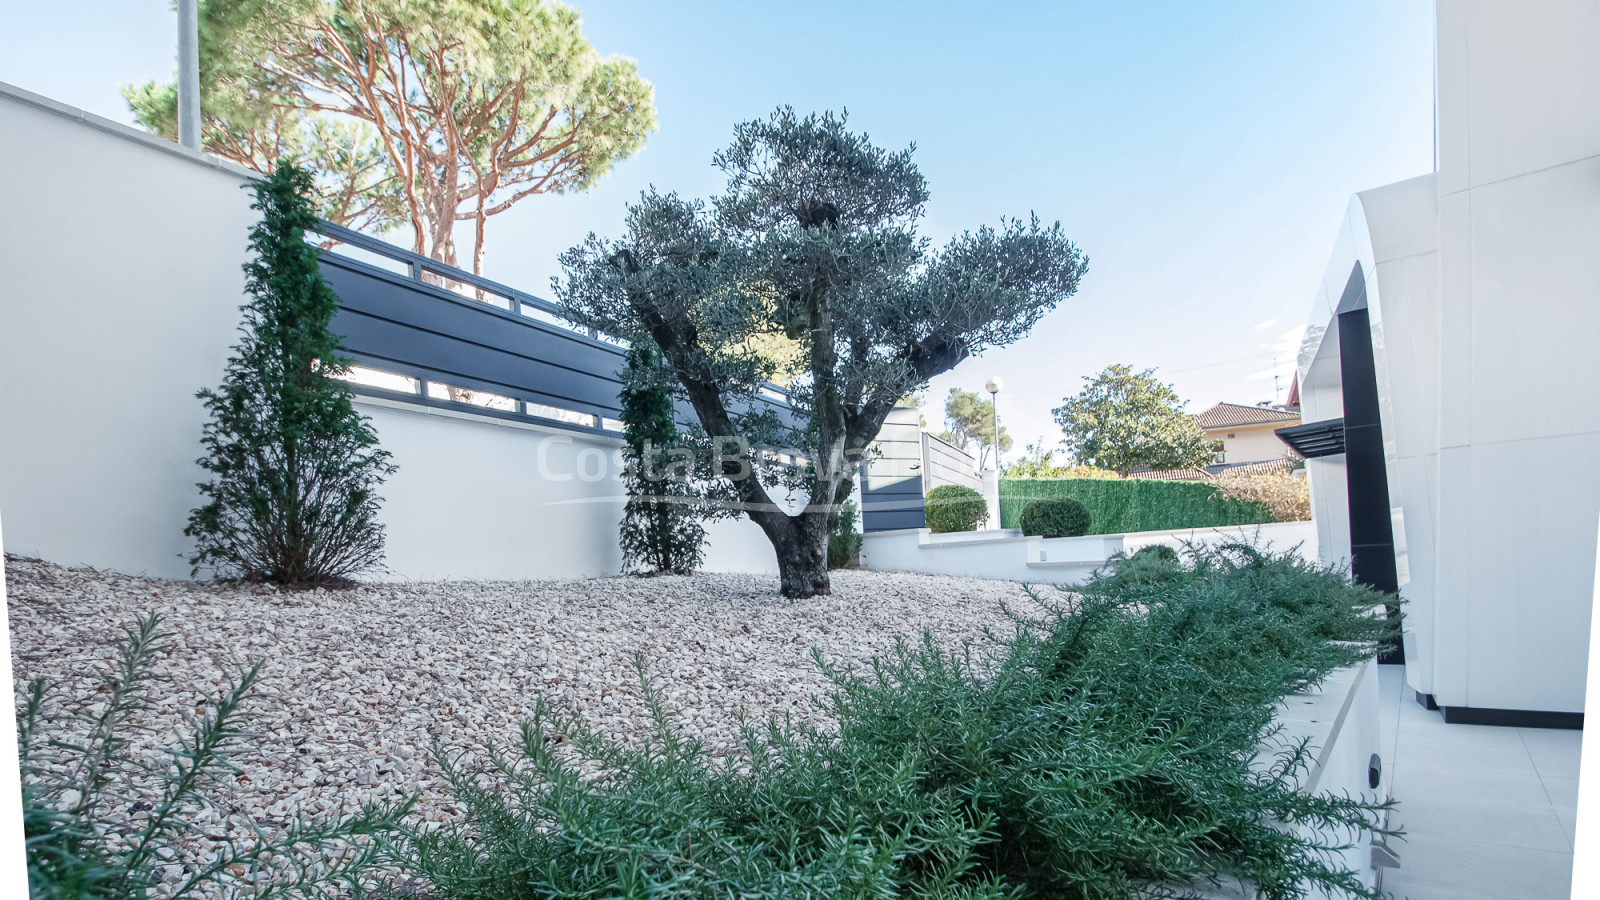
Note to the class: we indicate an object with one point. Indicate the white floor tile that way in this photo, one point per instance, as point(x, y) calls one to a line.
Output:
point(1501, 756)
point(1438, 784)
point(1489, 812)
point(1534, 827)
point(1433, 728)
point(1563, 791)
point(1399, 887)
point(1491, 869)
point(1554, 752)
point(1569, 824)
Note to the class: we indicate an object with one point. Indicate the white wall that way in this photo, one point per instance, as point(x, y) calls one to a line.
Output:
point(1252, 444)
point(477, 497)
point(1390, 231)
point(1481, 284)
point(121, 300)
point(1007, 554)
point(1518, 428)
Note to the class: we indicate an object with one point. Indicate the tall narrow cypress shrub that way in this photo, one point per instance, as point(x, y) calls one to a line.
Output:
point(294, 467)
point(661, 527)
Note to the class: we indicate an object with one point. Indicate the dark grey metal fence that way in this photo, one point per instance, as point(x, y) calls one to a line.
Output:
point(461, 341)
point(891, 487)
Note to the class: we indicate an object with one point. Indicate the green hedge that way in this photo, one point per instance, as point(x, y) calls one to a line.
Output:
point(1136, 504)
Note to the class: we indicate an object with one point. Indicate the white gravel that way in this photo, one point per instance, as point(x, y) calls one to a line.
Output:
point(359, 684)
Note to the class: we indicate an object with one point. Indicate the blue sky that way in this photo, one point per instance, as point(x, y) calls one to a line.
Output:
point(1201, 154)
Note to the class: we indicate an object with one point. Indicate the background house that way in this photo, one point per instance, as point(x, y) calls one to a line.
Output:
point(1244, 434)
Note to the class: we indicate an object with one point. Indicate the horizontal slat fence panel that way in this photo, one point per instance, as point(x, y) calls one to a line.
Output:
point(408, 315)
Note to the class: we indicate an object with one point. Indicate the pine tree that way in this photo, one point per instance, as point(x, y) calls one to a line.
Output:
point(294, 467)
point(661, 527)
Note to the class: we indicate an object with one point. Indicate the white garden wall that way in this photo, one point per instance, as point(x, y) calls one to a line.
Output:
point(122, 255)
point(1008, 554)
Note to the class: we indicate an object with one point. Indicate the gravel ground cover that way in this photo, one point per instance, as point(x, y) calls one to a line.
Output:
point(359, 684)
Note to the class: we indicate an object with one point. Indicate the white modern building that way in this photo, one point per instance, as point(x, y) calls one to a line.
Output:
point(1449, 372)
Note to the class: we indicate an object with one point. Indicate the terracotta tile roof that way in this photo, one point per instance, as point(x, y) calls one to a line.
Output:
point(1252, 468)
point(1169, 474)
point(1236, 415)
point(1248, 468)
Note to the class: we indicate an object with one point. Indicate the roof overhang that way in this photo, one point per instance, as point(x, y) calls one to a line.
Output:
point(1315, 440)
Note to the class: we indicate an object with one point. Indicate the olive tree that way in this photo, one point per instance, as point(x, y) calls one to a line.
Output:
point(814, 241)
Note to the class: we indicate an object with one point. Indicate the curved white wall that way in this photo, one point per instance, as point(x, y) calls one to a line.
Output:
point(1481, 284)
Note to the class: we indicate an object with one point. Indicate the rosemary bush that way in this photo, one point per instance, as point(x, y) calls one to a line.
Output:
point(1120, 744)
point(77, 851)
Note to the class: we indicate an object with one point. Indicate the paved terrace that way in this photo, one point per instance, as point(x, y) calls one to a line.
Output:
point(1489, 812)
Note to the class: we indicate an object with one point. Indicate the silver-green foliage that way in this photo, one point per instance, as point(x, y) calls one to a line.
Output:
point(77, 851)
point(1104, 750)
point(813, 244)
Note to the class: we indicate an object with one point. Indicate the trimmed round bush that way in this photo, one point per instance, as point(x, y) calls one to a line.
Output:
point(1055, 518)
point(954, 507)
point(1157, 552)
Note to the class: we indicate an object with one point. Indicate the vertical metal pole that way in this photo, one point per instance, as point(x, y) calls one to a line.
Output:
point(189, 74)
point(994, 434)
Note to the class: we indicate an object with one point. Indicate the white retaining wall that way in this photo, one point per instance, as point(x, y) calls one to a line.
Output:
point(1008, 554)
point(122, 256)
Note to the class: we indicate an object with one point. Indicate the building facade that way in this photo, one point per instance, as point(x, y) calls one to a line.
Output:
point(1244, 434)
point(1446, 458)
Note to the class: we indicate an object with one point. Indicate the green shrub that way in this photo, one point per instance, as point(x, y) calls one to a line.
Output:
point(1151, 565)
point(1159, 552)
point(954, 507)
point(294, 469)
point(662, 527)
point(1135, 504)
point(1055, 518)
point(844, 542)
point(72, 842)
point(1120, 743)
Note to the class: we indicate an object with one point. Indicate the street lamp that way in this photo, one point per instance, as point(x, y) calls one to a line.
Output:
point(189, 74)
point(993, 386)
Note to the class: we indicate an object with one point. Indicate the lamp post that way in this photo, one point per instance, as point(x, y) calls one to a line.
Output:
point(189, 74)
point(993, 387)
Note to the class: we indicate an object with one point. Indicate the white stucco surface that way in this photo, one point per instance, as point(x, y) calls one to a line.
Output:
point(1481, 290)
point(121, 301)
point(121, 298)
point(1008, 554)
